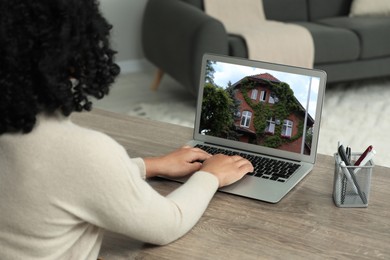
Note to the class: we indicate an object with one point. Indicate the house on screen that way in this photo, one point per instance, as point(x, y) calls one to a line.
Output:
point(268, 114)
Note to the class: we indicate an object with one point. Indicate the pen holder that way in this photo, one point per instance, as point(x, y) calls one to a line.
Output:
point(351, 187)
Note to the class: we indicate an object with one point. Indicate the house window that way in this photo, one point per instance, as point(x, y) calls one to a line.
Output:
point(254, 94)
point(287, 128)
point(263, 96)
point(246, 119)
point(270, 128)
point(237, 114)
point(273, 99)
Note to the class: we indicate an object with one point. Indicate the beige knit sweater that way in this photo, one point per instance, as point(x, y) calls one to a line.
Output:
point(61, 185)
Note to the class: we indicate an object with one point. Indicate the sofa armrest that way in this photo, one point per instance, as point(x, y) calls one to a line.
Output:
point(175, 35)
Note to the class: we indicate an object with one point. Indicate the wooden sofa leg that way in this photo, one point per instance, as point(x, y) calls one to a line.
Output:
point(157, 80)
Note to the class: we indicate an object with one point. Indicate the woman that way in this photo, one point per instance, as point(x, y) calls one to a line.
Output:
point(61, 185)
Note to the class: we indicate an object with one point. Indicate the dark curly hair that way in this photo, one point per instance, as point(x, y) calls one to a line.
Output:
point(53, 55)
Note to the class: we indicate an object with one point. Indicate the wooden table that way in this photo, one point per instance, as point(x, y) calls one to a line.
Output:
point(304, 225)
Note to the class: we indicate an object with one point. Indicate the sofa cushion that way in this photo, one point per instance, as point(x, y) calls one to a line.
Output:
point(332, 44)
point(370, 8)
point(373, 33)
point(319, 9)
point(237, 46)
point(196, 3)
point(286, 10)
point(279, 10)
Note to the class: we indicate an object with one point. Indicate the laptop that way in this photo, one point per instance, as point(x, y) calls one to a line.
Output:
point(268, 113)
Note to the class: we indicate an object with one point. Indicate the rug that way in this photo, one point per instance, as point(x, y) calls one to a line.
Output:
point(356, 114)
point(173, 112)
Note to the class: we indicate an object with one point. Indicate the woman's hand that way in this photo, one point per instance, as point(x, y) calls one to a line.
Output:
point(228, 169)
point(178, 163)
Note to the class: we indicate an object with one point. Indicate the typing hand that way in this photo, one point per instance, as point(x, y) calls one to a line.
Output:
point(228, 169)
point(178, 163)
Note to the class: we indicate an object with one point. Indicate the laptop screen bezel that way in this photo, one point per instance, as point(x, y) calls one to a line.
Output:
point(256, 148)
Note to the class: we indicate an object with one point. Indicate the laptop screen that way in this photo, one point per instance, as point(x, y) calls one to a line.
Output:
point(263, 106)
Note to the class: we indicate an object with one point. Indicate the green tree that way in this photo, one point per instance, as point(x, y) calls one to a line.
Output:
point(210, 71)
point(216, 117)
point(235, 109)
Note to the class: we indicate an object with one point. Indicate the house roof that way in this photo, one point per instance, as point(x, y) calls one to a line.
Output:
point(265, 76)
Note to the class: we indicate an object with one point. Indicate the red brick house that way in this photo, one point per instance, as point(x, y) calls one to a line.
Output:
point(270, 115)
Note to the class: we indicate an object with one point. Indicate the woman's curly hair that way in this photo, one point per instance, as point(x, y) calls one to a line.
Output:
point(53, 55)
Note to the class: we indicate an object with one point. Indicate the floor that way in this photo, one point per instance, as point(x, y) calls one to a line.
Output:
point(354, 113)
point(134, 88)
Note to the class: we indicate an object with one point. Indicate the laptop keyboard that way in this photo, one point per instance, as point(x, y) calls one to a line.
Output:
point(265, 168)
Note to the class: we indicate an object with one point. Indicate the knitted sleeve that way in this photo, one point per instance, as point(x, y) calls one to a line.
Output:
point(109, 191)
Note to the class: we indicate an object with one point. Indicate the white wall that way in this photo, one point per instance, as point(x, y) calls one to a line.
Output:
point(126, 17)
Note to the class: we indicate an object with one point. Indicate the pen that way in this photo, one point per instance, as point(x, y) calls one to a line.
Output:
point(349, 153)
point(364, 154)
point(343, 156)
point(365, 160)
point(348, 175)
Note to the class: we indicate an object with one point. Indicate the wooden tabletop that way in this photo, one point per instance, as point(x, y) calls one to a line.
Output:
point(303, 225)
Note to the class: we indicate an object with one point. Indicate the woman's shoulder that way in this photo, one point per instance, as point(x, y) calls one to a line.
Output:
point(66, 135)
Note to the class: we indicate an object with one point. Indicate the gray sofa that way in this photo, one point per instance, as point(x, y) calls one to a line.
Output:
point(176, 33)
